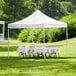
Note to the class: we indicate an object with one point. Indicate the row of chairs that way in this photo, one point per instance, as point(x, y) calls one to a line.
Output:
point(39, 51)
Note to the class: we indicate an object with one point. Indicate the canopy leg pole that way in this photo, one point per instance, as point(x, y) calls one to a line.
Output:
point(32, 36)
point(44, 42)
point(8, 43)
point(66, 41)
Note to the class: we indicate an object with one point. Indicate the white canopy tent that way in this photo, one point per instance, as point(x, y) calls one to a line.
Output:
point(2, 31)
point(38, 20)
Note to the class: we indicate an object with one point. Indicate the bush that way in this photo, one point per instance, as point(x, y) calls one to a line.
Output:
point(71, 21)
point(24, 36)
point(50, 35)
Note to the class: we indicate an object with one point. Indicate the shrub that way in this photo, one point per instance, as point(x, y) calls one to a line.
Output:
point(50, 35)
point(71, 21)
point(23, 36)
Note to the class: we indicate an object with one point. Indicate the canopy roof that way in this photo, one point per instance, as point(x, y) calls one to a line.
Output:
point(37, 20)
point(2, 22)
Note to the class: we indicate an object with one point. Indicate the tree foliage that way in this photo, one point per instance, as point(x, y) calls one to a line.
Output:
point(14, 10)
point(18, 9)
point(52, 8)
point(2, 5)
point(71, 21)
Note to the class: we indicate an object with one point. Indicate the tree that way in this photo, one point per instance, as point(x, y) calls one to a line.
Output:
point(53, 8)
point(18, 9)
point(68, 6)
point(71, 21)
point(2, 5)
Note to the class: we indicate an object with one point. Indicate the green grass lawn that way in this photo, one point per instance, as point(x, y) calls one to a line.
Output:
point(65, 65)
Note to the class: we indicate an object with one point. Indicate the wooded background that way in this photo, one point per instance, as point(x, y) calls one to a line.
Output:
point(63, 10)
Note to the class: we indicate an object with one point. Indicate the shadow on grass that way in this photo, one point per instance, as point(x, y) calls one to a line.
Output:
point(50, 64)
point(48, 58)
point(17, 57)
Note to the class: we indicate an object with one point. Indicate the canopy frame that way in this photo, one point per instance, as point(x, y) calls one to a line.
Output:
point(38, 20)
